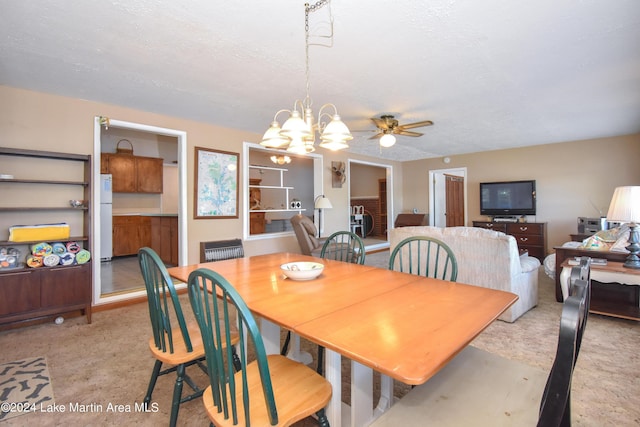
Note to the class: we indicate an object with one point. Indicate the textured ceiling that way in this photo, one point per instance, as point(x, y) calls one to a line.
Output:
point(490, 74)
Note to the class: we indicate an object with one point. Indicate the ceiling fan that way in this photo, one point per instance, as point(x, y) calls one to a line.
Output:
point(388, 126)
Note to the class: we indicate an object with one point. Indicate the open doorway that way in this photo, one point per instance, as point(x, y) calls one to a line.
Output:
point(370, 185)
point(149, 141)
point(448, 197)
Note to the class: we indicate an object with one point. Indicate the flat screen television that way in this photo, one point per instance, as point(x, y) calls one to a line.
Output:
point(508, 198)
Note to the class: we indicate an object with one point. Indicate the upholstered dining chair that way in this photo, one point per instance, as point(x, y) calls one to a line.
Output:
point(178, 346)
point(424, 256)
point(269, 390)
point(503, 391)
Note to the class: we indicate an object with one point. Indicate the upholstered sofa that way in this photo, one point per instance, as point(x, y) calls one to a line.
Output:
point(486, 258)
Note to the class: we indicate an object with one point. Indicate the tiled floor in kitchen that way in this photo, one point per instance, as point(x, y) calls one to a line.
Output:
point(121, 274)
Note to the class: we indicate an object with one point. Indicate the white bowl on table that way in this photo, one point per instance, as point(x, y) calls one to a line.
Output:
point(302, 270)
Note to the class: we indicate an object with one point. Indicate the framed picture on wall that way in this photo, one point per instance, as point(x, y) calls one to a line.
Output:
point(216, 184)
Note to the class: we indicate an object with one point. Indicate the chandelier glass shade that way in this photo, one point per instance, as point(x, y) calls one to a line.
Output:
point(297, 134)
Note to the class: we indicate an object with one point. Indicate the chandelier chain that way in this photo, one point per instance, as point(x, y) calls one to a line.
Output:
point(309, 8)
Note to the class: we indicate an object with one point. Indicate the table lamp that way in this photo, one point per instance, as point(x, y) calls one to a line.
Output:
point(321, 202)
point(625, 207)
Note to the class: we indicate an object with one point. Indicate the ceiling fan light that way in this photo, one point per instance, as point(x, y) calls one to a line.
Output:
point(295, 127)
point(272, 137)
point(387, 140)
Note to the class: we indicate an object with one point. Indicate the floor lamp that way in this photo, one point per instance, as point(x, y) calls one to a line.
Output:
point(321, 202)
point(625, 207)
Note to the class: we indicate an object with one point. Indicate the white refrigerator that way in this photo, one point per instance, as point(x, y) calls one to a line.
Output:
point(106, 237)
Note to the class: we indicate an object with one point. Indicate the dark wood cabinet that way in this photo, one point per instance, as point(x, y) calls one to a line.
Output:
point(257, 222)
point(530, 236)
point(19, 292)
point(29, 293)
point(132, 174)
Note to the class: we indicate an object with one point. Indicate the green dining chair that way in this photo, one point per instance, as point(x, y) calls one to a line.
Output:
point(344, 246)
point(424, 256)
point(178, 346)
point(269, 390)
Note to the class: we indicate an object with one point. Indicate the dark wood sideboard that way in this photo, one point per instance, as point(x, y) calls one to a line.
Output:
point(530, 236)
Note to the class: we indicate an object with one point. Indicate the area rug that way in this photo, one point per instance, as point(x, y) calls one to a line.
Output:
point(25, 386)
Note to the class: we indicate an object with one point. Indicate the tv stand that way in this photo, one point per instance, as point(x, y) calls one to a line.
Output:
point(530, 236)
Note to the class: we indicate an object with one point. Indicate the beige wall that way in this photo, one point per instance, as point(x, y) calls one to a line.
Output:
point(39, 121)
point(364, 180)
point(572, 178)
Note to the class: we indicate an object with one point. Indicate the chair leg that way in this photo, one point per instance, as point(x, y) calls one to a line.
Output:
point(285, 346)
point(177, 393)
point(236, 360)
point(322, 418)
point(320, 367)
point(152, 383)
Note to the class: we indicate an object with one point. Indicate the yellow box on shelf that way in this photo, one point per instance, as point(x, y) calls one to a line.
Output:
point(45, 232)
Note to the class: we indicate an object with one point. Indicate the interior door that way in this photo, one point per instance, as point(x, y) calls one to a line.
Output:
point(454, 189)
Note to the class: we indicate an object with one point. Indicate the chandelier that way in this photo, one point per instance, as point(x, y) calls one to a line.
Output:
point(297, 134)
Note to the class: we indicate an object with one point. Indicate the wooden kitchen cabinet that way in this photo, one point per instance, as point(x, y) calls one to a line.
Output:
point(164, 238)
point(130, 233)
point(132, 174)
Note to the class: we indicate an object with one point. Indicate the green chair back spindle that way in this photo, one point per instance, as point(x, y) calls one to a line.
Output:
point(424, 256)
point(162, 299)
point(344, 246)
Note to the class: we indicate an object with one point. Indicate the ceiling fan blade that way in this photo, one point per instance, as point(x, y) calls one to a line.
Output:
point(380, 123)
point(416, 124)
point(377, 136)
point(398, 131)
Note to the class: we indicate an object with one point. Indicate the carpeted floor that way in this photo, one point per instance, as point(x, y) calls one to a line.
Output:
point(100, 371)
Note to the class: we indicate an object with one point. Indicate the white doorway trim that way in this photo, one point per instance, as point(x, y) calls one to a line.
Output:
point(389, 177)
point(98, 299)
point(437, 195)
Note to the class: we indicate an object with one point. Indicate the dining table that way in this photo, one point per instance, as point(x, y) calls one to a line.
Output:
point(404, 326)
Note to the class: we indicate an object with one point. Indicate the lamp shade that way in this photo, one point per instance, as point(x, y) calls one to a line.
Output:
point(323, 203)
point(625, 205)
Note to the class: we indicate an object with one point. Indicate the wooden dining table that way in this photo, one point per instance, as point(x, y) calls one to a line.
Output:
point(404, 326)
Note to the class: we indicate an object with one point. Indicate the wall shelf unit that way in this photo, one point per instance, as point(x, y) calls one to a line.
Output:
point(30, 293)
